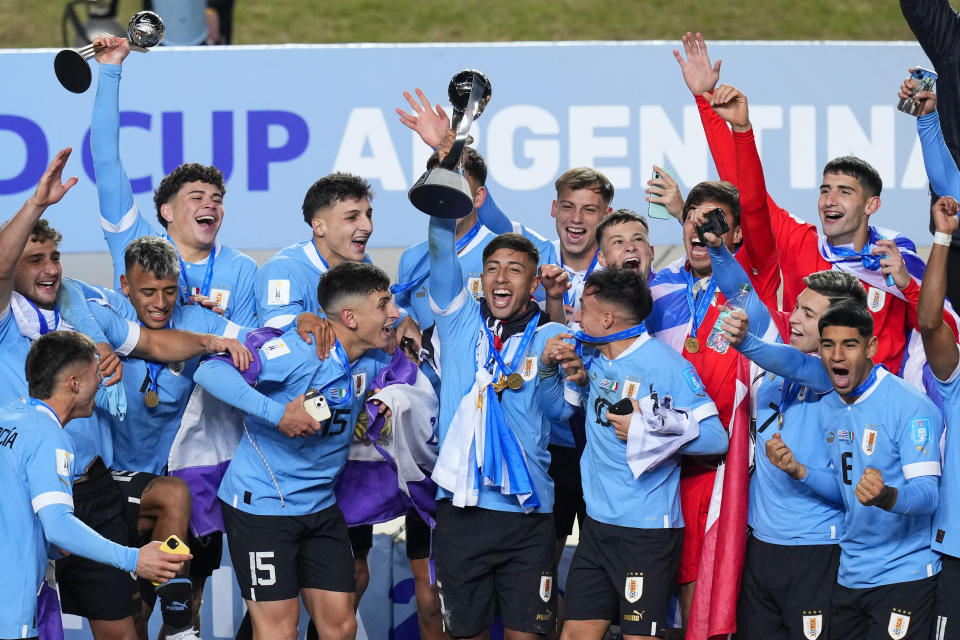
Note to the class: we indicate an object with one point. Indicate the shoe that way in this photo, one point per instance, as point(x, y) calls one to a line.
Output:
point(189, 633)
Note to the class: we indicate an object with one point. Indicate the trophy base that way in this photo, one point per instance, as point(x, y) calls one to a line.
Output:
point(72, 71)
point(442, 193)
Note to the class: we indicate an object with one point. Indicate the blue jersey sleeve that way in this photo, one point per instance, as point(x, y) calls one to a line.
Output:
point(73, 309)
point(825, 483)
point(225, 383)
point(920, 496)
point(63, 530)
point(788, 362)
point(492, 216)
point(119, 217)
point(729, 276)
point(279, 300)
point(941, 168)
point(122, 334)
point(446, 278)
point(713, 439)
point(918, 439)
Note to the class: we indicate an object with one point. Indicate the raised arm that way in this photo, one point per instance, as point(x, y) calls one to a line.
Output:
point(15, 234)
point(939, 342)
point(936, 26)
point(788, 362)
point(940, 165)
point(729, 275)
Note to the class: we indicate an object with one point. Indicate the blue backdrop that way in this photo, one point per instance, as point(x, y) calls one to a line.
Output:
point(275, 118)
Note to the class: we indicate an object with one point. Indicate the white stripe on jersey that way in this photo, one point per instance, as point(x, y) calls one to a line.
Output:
point(927, 468)
point(51, 497)
point(123, 224)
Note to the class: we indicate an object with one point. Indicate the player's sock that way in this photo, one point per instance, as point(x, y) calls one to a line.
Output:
point(175, 605)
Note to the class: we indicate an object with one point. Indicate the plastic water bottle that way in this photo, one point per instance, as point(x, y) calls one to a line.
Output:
point(718, 339)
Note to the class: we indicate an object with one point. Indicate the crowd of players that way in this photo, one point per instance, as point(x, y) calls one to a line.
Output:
point(529, 349)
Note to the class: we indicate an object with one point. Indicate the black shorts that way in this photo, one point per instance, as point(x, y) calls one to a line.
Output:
point(948, 600)
point(276, 556)
point(903, 610)
point(491, 562)
point(567, 489)
point(418, 537)
point(87, 588)
point(623, 575)
point(786, 590)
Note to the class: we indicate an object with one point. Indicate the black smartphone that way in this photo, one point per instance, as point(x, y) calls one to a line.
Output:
point(715, 223)
point(622, 408)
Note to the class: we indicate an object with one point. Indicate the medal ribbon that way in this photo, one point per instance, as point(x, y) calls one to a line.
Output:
point(521, 348)
point(345, 365)
point(787, 396)
point(419, 278)
point(866, 258)
point(582, 337)
point(863, 386)
point(44, 327)
point(204, 290)
point(154, 368)
point(699, 309)
point(569, 296)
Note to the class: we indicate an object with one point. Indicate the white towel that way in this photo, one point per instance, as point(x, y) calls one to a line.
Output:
point(657, 434)
point(27, 321)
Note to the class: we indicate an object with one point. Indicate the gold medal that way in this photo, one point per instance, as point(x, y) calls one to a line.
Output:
point(500, 384)
point(514, 381)
point(692, 344)
point(151, 399)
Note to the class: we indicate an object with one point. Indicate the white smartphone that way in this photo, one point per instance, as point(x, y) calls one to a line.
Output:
point(315, 404)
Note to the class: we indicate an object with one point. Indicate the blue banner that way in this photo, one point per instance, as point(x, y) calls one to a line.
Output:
point(276, 118)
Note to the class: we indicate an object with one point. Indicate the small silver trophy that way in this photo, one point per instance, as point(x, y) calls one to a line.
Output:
point(144, 30)
point(443, 192)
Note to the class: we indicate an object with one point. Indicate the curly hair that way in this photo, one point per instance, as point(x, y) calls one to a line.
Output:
point(190, 172)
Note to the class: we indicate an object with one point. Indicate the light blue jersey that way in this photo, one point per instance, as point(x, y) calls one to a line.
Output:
point(946, 521)
point(226, 275)
point(271, 474)
point(287, 284)
point(891, 427)
point(611, 493)
point(91, 436)
point(412, 292)
point(36, 459)
point(776, 499)
point(460, 327)
point(142, 441)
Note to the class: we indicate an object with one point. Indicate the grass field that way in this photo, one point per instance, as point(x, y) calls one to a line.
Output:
point(37, 23)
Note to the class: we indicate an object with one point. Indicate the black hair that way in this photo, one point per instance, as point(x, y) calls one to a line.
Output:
point(847, 313)
point(718, 191)
point(50, 354)
point(624, 288)
point(154, 255)
point(331, 189)
point(189, 172)
point(475, 165)
point(855, 167)
point(620, 216)
point(836, 285)
point(513, 241)
point(350, 279)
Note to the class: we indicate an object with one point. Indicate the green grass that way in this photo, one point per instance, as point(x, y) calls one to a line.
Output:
point(37, 23)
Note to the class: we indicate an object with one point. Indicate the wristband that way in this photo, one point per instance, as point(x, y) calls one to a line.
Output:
point(942, 238)
point(545, 372)
point(887, 498)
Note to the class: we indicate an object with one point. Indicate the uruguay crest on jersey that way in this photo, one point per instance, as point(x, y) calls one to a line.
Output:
point(869, 442)
point(359, 383)
point(546, 587)
point(898, 625)
point(875, 299)
point(633, 588)
point(631, 389)
point(474, 288)
point(529, 368)
point(812, 625)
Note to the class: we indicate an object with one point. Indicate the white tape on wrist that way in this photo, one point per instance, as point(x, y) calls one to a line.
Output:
point(942, 238)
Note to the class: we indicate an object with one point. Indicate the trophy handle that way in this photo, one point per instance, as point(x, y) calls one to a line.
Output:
point(462, 126)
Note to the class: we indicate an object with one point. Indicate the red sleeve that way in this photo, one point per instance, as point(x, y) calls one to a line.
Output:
point(720, 139)
point(755, 219)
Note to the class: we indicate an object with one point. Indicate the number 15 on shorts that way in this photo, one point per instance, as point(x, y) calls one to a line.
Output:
point(262, 573)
